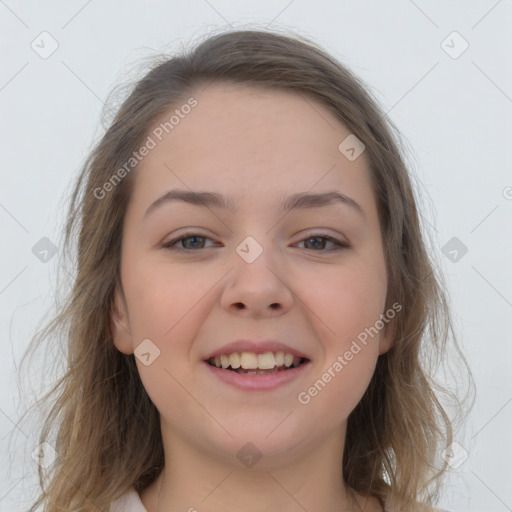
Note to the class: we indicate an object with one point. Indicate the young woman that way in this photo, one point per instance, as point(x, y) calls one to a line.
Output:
point(253, 303)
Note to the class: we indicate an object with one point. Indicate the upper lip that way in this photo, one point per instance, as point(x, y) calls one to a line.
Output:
point(257, 347)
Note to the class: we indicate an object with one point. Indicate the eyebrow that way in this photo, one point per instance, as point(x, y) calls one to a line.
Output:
point(298, 201)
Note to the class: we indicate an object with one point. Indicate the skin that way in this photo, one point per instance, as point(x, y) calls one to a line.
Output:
point(256, 146)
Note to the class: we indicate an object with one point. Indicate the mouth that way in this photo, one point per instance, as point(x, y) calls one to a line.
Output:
point(250, 363)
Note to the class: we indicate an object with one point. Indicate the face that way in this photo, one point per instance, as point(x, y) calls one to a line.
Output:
point(197, 278)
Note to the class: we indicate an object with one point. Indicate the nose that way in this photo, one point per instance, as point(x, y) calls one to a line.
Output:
point(256, 288)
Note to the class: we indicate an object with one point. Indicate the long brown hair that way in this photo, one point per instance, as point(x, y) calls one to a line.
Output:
point(108, 430)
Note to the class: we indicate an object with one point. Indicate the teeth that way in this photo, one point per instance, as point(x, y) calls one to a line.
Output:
point(257, 363)
point(249, 361)
point(266, 361)
point(234, 360)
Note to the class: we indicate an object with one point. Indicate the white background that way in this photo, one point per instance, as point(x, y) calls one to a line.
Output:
point(456, 114)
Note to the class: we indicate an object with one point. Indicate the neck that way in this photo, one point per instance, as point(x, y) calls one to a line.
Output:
point(192, 481)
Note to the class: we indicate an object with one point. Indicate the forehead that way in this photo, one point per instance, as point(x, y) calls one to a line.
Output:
point(250, 142)
point(247, 119)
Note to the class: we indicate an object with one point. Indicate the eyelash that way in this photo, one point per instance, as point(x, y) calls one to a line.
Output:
point(171, 245)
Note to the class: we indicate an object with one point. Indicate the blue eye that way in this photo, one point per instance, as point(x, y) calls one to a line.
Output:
point(187, 236)
point(326, 239)
point(197, 242)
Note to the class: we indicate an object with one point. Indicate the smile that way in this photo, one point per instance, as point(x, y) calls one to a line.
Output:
point(250, 363)
point(249, 371)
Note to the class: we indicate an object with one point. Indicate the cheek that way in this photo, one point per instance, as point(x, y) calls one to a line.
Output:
point(347, 305)
point(162, 299)
point(166, 306)
point(340, 379)
point(345, 301)
point(336, 390)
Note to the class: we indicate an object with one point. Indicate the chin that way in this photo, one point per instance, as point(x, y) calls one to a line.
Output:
point(262, 445)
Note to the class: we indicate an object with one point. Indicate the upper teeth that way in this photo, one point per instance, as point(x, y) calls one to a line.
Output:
point(252, 361)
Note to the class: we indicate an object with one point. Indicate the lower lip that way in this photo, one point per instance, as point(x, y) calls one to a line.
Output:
point(257, 382)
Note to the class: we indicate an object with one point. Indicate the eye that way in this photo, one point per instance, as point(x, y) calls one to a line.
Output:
point(197, 242)
point(338, 245)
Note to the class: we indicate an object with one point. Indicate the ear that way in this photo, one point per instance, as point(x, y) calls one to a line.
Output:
point(387, 336)
point(120, 325)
